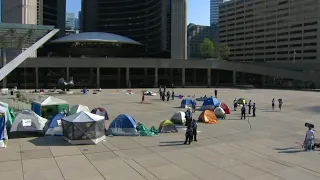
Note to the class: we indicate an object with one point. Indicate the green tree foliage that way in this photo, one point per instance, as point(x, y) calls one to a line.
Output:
point(224, 51)
point(207, 49)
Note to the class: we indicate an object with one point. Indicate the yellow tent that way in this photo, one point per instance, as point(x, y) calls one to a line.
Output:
point(241, 101)
point(167, 126)
point(208, 116)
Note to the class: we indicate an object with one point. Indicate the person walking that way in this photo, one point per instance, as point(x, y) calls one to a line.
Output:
point(280, 103)
point(272, 104)
point(194, 129)
point(172, 95)
point(249, 106)
point(188, 117)
point(243, 112)
point(168, 95)
point(254, 110)
point(189, 134)
point(216, 93)
point(309, 139)
point(235, 104)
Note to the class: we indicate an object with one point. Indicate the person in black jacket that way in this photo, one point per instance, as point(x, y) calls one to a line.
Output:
point(194, 129)
point(172, 95)
point(249, 106)
point(216, 93)
point(189, 134)
point(243, 112)
point(254, 110)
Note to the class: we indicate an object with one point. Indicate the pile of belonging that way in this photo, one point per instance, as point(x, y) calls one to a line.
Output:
point(144, 131)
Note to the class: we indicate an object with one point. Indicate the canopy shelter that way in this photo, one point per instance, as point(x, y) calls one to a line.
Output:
point(49, 106)
point(210, 103)
point(208, 116)
point(100, 111)
point(167, 126)
point(83, 128)
point(21, 36)
point(28, 121)
point(123, 125)
point(179, 118)
point(55, 126)
point(78, 108)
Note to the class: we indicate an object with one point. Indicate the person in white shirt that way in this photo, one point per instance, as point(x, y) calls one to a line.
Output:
point(309, 139)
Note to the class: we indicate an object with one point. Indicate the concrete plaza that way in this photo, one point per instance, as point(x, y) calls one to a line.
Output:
point(229, 150)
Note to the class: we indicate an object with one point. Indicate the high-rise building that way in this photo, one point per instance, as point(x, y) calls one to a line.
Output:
point(52, 12)
point(197, 34)
point(214, 11)
point(161, 25)
point(70, 21)
point(271, 30)
point(19, 11)
point(80, 20)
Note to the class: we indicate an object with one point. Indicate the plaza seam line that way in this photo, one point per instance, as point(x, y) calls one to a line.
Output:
point(21, 161)
point(57, 164)
point(141, 167)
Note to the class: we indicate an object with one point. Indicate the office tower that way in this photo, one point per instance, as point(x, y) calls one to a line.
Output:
point(80, 21)
point(271, 30)
point(197, 34)
point(19, 11)
point(70, 21)
point(214, 11)
point(161, 25)
point(52, 12)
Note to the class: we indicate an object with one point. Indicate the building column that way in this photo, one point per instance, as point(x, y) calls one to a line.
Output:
point(171, 76)
point(119, 77)
point(67, 74)
point(194, 77)
point(4, 62)
point(183, 73)
point(243, 78)
point(234, 78)
point(98, 77)
point(128, 77)
point(263, 81)
point(156, 77)
point(37, 77)
point(209, 78)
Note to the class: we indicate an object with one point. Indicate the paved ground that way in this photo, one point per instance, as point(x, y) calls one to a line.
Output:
point(225, 151)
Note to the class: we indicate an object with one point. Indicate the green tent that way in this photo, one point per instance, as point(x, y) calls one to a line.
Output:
point(49, 106)
point(8, 117)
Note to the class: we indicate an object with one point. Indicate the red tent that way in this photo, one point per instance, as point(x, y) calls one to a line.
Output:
point(225, 108)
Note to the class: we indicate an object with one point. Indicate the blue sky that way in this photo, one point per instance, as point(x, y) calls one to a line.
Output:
point(198, 10)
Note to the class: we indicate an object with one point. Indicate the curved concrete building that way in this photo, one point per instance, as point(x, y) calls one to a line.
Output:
point(149, 22)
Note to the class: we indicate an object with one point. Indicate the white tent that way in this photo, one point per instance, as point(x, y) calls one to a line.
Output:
point(50, 100)
point(83, 128)
point(219, 112)
point(78, 108)
point(179, 117)
point(4, 104)
point(28, 121)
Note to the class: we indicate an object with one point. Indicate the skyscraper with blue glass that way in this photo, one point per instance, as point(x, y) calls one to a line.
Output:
point(214, 11)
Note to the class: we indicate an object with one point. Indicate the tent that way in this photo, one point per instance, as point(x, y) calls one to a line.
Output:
point(123, 125)
point(241, 101)
point(219, 112)
point(55, 126)
point(167, 126)
point(78, 108)
point(101, 111)
point(28, 121)
point(225, 108)
point(210, 103)
point(7, 116)
point(49, 106)
point(179, 117)
point(186, 103)
point(83, 128)
point(208, 116)
point(4, 104)
point(3, 130)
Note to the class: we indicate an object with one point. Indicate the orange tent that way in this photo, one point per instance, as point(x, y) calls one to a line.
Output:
point(208, 116)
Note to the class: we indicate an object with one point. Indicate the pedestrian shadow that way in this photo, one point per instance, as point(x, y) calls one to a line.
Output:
point(290, 150)
point(171, 143)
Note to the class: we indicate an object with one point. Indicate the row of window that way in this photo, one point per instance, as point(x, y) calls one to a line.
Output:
point(274, 30)
point(272, 58)
point(234, 51)
point(305, 45)
point(229, 41)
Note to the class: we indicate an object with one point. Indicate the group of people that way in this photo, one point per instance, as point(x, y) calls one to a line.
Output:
point(280, 103)
point(164, 94)
point(191, 132)
point(251, 107)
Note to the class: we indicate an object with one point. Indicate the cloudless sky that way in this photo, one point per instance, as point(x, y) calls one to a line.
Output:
point(198, 10)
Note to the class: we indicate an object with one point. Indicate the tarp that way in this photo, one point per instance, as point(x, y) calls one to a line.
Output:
point(186, 103)
point(144, 131)
point(167, 126)
point(210, 103)
point(28, 121)
point(101, 111)
point(179, 117)
point(208, 116)
point(55, 126)
point(225, 108)
point(219, 112)
point(123, 125)
point(241, 101)
point(78, 108)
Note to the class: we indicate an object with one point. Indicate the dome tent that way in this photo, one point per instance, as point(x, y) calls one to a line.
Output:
point(208, 116)
point(78, 108)
point(225, 108)
point(219, 112)
point(210, 103)
point(186, 103)
point(49, 106)
point(123, 125)
point(179, 117)
point(241, 101)
point(167, 126)
point(28, 121)
point(100, 111)
point(55, 126)
point(83, 128)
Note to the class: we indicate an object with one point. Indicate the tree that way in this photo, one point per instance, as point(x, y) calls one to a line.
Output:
point(224, 51)
point(207, 48)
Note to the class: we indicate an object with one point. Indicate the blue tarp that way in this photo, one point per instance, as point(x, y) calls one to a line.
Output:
point(123, 125)
point(210, 103)
point(55, 128)
point(187, 102)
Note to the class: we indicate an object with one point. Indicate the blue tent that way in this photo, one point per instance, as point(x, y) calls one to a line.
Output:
point(123, 125)
point(210, 103)
point(55, 126)
point(3, 131)
point(186, 103)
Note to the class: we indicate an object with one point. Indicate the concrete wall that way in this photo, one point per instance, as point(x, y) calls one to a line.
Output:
point(179, 29)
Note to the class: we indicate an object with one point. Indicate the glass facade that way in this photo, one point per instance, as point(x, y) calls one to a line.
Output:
point(70, 21)
point(214, 11)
